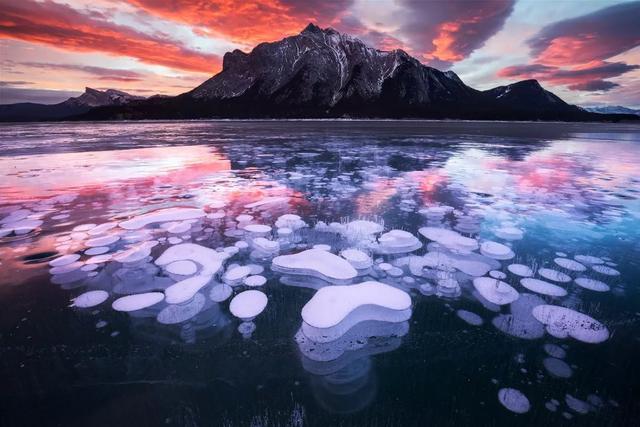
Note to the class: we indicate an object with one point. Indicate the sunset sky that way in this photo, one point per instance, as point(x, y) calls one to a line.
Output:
point(587, 52)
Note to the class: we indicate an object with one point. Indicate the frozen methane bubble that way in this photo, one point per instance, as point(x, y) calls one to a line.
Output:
point(563, 322)
point(64, 260)
point(317, 263)
point(90, 299)
point(184, 290)
point(135, 253)
point(98, 250)
point(257, 228)
point(267, 201)
point(542, 287)
point(291, 221)
point(577, 405)
point(569, 264)
point(137, 301)
point(607, 271)
point(555, 351)
point(266, 245)
point(554, 275)
point(236, 274)
point(182, 268)
point(592, 284)
point(162, 215)
point(496, 250)
point(514, 400)
point(449, 239)
point(357, 258)
point(509, 233)
point(210, 260)
point(397, 241)
point(254, 281)
point(495, 291)
point(332, 304)
point(557, 368)
point(220, 292)
point(102, 241)
point(588, 259)
point(469, 317)
point(248, 304)
point(520, 270)
point(497, 274)
point(472, 264)
point(178, 313)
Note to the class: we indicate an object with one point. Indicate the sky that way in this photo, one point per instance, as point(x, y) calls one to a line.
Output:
point(585, 51)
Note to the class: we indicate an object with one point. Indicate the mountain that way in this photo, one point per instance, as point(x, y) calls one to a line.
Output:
point(612, 109)
point(321, 73)
point(91, 98)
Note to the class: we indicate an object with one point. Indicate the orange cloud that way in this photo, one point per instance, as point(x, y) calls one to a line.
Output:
point(63, 27)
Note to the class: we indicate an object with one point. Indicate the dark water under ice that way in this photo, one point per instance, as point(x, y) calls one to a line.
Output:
point(570, 189)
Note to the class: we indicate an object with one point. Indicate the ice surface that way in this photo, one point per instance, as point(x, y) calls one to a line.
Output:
point(210, 260)
point(90, 299)
point(248, 304)
point(554, 275)
point(162, 215)
point(184, 290)
point(514, 400)
point(137, 301)
point(562, 322)
point(317, 263)
point(542, 287)
point(494, 290)
point(592, 284)
point(332, 304)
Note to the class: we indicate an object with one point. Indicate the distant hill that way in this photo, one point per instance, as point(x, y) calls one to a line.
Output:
point(612, 109)
point(91, 98)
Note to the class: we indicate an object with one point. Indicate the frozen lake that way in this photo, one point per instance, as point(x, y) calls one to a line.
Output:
point(210, 273)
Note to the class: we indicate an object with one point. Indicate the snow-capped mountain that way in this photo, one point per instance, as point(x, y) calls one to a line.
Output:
point(612, 109)
point(96, 98)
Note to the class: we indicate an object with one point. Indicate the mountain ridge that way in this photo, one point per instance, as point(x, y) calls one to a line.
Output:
point(322, 73)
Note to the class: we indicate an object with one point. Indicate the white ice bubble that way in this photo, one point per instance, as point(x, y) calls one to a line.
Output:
point(184, 290)
point(267, 201)
point(554, 275)
point(98, 250)
point(84, 227)
point(449, 239)
point(317, 263)
point(469, 317)
point(332, 304)
point(179, 227)
point(102, 228)
point(135, 253)
point(102, 241)
point(210, 260)
point(607, 271)
point(67, 268)
point(396, 242)
point(220, 292)
point(577, 405)
point(137, 301)
point(592, 284)
point(236, 274)
point(254, 281)
point(509, 233)
point(90, 299)
point(555, 351)
point(514, 400)
point(496, 250)
point(162, 215)
point(497, 274)
point(520, 270)
point(266, 245)
point(357, 258)
point(64, 260)
point(244, 218)
point(562, 322)
point(248, 304)
point(588, 259)
point(182, 268)
point(495, 291)
point(569, 264)
point(257, 228)
point(542, 287)
point(178, 313)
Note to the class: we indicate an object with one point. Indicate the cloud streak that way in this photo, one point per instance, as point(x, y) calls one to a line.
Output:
point(63, 27)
